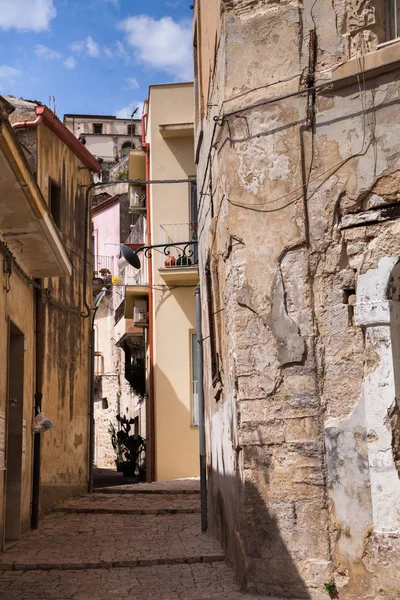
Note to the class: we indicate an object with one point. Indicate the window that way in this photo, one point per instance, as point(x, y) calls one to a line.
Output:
point(127, 145)
point(98, 128)
point(55, 202)
point(131, 129)
point(392, 19)
point(194, 380)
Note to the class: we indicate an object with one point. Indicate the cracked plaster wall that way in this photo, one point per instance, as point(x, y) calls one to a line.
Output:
point(303, 439)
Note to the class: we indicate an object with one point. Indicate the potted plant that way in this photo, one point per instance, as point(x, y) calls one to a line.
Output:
point(105, 273)
point(183, 261)
point(134, 448)
point(170, 262)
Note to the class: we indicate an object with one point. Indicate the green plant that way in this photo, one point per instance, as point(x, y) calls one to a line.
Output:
point(122, 175)
point(331, 589)
point(135, 373)
point(183, 261)
point(134, 447)
point(116, 444)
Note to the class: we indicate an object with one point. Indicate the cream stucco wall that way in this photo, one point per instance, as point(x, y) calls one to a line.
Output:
point(174, 308)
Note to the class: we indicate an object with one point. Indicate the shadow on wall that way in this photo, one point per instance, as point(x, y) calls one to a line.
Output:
point(182, 152)
point(252, 540)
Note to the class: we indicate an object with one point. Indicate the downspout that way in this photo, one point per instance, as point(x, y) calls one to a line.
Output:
point(91, 405)
point(86, 315)
point(39, 362)
point(202, 430)
point(146, 148)
point(28, 124)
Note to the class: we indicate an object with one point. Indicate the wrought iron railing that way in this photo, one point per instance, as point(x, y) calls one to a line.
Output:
point(180, 256)
point(104, 266)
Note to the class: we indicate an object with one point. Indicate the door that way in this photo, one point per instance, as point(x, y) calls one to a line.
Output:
point(15, 402)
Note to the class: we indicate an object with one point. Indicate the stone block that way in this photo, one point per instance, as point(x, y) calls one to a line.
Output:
point(257, 386)
point(302, 429)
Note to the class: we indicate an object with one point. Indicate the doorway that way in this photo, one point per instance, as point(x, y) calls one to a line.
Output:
point(14, 442)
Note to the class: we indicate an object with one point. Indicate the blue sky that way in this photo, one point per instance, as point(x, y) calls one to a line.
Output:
point(94, 56)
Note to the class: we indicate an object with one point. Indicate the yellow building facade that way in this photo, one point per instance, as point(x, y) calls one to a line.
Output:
point(44, 337)
point(168, 295)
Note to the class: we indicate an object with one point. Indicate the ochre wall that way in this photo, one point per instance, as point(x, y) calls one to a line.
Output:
point(207, 39)
point(177, 453)
point(17, 305)
point(66, 374)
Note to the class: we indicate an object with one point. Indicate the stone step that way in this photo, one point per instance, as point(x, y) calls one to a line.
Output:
point(128, 511)
point(68, 541)
point(140, 504)
point(144, 561)
point(205, 581)
point(176, 486)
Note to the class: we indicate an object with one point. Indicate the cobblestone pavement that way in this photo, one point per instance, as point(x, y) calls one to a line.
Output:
point(95, 548)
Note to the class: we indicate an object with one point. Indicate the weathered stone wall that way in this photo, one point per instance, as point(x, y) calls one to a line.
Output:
point(298, 242)
point(64, 453)
point(112, 395)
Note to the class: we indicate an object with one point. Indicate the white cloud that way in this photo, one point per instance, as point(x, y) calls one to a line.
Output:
point(93, 48)
point(47, 53)
point(77, 47)
point(133, 83)
point(126, 112)
point(23, 15)
point(117, 50)
point(88, 46)
point(70, 62)
point(8, 72)
point(163, 44)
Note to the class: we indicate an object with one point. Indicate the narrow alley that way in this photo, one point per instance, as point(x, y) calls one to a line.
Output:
point(140, 541)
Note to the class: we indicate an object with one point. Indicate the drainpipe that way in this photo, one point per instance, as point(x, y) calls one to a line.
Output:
point(91, 405)
point(146, 148)
point(202, 430)
point(85, 315)
point(28, 124)
point(39, 361)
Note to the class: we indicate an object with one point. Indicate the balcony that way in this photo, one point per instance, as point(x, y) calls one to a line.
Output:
point(136, 305)
point(124, 330)
point(104, 267)
point(137, 201)
point(179, 264)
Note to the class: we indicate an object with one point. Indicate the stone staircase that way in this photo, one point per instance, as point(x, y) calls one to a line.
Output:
point(126, 542)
